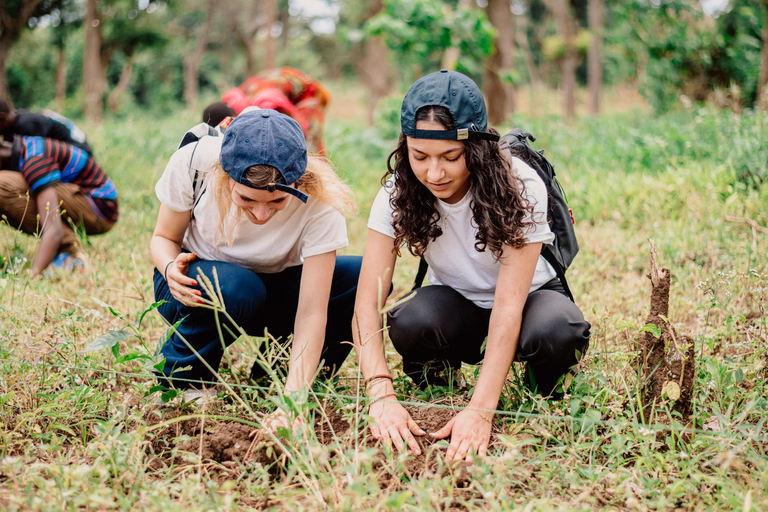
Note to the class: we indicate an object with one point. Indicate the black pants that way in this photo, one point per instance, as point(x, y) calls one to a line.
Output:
point(438, 328)
point(255, 302)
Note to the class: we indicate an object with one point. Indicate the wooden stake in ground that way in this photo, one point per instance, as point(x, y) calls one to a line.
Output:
point(666, 359)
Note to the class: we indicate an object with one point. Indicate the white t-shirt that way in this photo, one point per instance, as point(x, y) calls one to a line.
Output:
point(452, 257)
point(293, 234)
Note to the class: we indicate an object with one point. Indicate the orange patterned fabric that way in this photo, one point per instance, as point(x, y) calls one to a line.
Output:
point(289, 91)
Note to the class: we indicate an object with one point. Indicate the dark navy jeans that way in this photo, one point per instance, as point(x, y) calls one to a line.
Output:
point(437, 329)
point(255, 302)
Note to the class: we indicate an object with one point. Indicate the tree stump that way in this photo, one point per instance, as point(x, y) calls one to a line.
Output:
point(667, 366)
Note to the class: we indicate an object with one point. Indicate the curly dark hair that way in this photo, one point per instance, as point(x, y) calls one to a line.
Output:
point(498, 207)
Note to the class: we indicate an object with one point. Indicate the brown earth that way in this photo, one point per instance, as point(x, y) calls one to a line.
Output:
point(231, 444)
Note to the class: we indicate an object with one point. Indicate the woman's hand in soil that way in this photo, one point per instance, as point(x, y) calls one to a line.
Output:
point(179, 283)
point(279, 419)
point(470, 432)
point(393, 424)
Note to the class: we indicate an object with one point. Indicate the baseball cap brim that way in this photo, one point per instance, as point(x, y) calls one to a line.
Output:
point(286, 188)
point(463, 134)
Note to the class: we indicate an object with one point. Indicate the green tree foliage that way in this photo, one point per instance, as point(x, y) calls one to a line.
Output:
point(419, 31)
point(686, 52)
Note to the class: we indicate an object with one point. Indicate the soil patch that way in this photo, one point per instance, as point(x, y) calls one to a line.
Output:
point(228, 441)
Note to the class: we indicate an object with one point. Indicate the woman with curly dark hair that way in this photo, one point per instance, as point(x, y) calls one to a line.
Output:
point(479, 218)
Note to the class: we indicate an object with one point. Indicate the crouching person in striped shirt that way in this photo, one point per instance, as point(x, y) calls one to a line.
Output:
point(48, 186)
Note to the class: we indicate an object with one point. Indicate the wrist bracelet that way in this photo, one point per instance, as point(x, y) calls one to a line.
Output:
point(165, 272)
point(486, 419)
point(370, 380)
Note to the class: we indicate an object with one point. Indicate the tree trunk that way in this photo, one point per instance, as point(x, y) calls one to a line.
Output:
point(5, 48)
point(521, 37)
point(596, 10)
point(762, 81)
point(373, 67)
point(92, 81)
point(498, 94)
point(566, 29)
point(113, 102)
point(270, 11)
point(192, 61)
point(285, 19)
point(61, 79)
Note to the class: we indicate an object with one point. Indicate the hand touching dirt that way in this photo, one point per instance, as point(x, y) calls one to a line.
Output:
point(470, 431)
point(179, 283)
point(392, 423)
point(279, 419)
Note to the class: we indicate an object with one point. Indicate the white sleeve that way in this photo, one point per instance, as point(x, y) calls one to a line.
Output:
point(535, 191)
point(325, 231)
point(174, 189)
point(380, 219)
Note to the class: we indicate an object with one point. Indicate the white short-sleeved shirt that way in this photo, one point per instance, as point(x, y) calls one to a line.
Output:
point(452, 257)
point(293, 234)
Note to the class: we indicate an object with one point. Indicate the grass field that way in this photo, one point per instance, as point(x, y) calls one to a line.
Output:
point(80, 429)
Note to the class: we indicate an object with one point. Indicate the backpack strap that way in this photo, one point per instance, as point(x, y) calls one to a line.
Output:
point(196, 182)
point(420, 274)
point(545, 252)
point(559, 271)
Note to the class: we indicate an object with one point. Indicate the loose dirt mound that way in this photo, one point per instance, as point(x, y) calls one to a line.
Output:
point(228, 441)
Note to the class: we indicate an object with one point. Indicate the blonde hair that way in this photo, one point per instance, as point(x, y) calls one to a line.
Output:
point(320, 182)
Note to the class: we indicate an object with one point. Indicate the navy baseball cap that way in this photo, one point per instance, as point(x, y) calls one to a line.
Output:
point(454, 91)
point(265, 137)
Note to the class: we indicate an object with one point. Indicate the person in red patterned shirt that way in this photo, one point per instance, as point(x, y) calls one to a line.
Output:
point(289, 91)
point(47, 187)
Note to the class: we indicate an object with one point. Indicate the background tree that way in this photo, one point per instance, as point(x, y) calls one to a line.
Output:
point(191, 22)
point(93, 85)
point(567, 27)
point(14, 17)
point(270, 18)
point(245, 20)
point(373, 65)
point(762, 82)
point(498, 89)
point(420, 31)
point(596, 10)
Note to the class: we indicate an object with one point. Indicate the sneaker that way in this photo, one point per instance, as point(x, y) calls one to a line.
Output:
point(69, 262)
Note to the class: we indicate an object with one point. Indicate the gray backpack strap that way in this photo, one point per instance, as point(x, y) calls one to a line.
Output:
point(195, 135)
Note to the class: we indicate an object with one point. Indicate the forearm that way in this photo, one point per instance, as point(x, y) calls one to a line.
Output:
point(50, 241)
point(163, 251)
point(308, 340)
point(503, 336)
point(367, 333)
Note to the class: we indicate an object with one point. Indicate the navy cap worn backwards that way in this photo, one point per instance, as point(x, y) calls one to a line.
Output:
point(265, 137)
point(454, 91)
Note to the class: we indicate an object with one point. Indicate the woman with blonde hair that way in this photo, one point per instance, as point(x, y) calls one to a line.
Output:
point(268, 221)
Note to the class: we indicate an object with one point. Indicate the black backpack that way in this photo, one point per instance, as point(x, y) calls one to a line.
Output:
point(561, 252)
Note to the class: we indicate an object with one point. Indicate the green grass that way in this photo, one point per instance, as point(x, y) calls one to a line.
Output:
point(74, 439)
